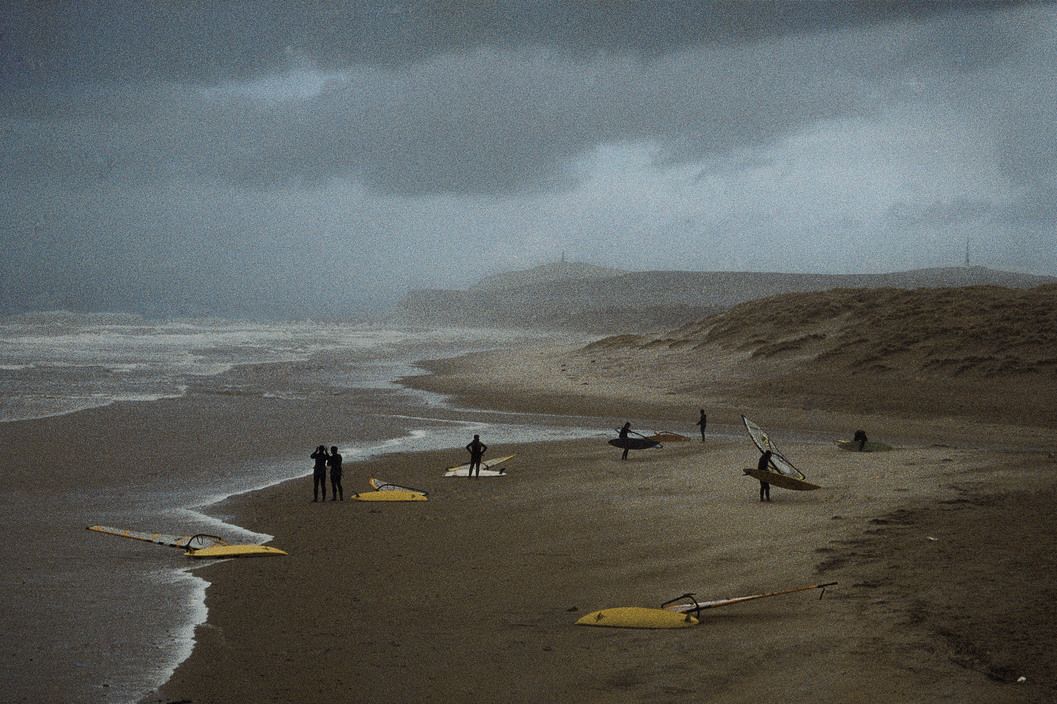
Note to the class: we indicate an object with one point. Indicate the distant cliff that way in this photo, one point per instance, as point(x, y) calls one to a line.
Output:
point(570, 295)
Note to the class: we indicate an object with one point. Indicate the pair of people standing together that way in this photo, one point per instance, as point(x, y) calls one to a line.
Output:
point(319, 474)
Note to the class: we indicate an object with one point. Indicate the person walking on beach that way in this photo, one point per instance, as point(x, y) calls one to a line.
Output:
point(764, 465)
point(334, 462)
point(476, 448)
point(702, 421)
point(624, 440)
point(319, 473)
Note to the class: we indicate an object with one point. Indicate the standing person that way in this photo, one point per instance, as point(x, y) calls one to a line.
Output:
point(334, 462)
point(702, 421)
point(764, 465)
point(625, 441)
point(476, 448)
point(319, 473)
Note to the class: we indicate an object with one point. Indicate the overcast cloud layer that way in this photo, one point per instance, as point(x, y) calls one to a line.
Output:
point(295, 159)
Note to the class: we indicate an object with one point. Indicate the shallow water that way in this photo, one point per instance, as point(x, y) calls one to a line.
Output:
point(120, 615)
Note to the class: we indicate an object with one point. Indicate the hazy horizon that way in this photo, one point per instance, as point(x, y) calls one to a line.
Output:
point(297, 160)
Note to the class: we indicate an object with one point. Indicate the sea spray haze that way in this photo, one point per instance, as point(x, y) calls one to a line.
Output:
point(60, 362)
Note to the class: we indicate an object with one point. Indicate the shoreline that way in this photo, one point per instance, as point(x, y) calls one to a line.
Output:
point(160, 465)
point(422, 633)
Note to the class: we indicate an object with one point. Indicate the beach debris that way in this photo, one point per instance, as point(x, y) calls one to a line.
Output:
point(1022, 679)
point(929, 537)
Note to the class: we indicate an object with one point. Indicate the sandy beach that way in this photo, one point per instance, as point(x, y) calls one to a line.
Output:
point(941, 550)
point(473, 595)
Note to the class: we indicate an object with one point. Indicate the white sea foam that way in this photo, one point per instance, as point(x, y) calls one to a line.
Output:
point(88, 361)
point(79, 361)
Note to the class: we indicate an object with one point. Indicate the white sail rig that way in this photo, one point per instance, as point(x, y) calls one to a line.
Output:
point(763, 442)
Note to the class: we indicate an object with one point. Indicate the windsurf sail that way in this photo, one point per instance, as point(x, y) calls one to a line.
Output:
point(185, 542)
point(688, 603)
point(199, 545)
point(379, 485)
point(763, 442)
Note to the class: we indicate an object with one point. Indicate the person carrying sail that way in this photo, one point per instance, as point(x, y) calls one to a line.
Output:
point(476, 448)
point(764, 466)
point(319, 473)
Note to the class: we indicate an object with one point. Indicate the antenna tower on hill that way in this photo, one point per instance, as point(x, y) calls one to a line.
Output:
point(967, 253)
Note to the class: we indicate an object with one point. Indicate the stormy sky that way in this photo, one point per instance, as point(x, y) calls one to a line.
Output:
point(311, 159)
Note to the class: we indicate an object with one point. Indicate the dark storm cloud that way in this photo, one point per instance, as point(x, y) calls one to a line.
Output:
point(501, 99)
point(111, 41)
point(483, 121)
point(207, 155)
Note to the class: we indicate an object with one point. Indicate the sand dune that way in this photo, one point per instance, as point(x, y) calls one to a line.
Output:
point(569, 295)
point(985, 354)
point(985, 331)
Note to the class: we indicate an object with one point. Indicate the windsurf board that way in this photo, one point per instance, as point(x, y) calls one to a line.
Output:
point(462, 470)
point(637, 617)
point(390, 495)
point(634, 443)
point(668, 436)
point(780, 480)
point(871, 446)
point(217, 552)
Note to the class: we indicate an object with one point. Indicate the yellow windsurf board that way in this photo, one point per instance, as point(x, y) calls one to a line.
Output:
point(786, 482)
point(390, 495)
point(637, 617)
point(218, 552)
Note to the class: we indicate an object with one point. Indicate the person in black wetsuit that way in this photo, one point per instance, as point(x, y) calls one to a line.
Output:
point(860, 437)
point(476, 448)
point(764, 466)
point(334, 462)
point(319, 473)
point(702, 421)
point(624, 439)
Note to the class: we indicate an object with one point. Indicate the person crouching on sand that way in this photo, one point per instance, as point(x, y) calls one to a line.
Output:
point(860, 437)
point(319, 473)
point(334, 462)
point(764, 465)
point(476, 448)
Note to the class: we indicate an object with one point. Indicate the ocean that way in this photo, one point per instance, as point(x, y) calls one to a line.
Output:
point(118, 616)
